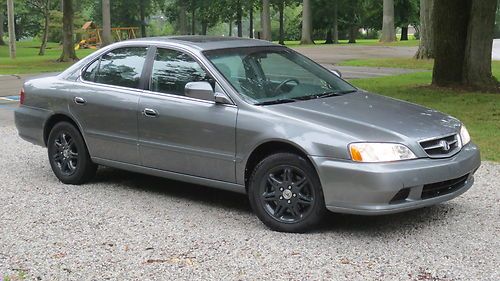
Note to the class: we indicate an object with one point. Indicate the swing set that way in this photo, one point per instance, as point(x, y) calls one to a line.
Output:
point(91, 35)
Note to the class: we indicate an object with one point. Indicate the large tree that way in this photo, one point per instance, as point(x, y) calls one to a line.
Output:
point(44, 6)
point(426, 45)
point(266, 20)
point(106, 23)
point(406, 13)
point(279, 5)
point(306, 37)
point(68, 52)
point(12, 30)
point(463, 35)
point(388, 29)
point(2, 20)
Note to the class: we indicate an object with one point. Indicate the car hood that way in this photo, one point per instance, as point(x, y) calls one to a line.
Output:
point(370, 117)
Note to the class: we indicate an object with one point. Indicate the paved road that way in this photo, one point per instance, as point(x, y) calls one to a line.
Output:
point(333, 54)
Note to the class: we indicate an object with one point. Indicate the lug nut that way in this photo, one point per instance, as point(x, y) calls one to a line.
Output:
point(281, 189)
point(289, 201)
point(294, 195)
point(281, 197)
point(289, 187)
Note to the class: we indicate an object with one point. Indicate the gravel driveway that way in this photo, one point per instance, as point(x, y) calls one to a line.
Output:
point(125, 226)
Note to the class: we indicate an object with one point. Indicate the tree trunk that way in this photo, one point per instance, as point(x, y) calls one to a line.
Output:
point(281, 11)
point(404, 33)
point(230, 28)
point(193, 21)
point(183, 23)
point(335, 22)
point(426, 45)
point(45, 36)
point(106, 23)
point(450, 35)
point(388, 29)
point(477, 61)
point(12, 30)
point(2, 19)
point(204, 27)
point(239, 15)
point(142, 16)
point(353, 30)
point(266, 21)
point(306, 23)
point(329, 36)
point(250, 17)
point(68, 53)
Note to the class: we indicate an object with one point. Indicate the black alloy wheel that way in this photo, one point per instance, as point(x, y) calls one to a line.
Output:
point(286, 194)
point(65, 153)
point(68, 155)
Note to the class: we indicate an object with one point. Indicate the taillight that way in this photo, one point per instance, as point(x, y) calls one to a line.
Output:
point(21, 96)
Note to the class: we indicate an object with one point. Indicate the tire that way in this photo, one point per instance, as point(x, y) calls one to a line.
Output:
point(68, 155)
point(285, 193)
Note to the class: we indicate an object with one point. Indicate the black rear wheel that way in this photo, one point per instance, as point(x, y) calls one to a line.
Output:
point(285, 192)
point(68, 155)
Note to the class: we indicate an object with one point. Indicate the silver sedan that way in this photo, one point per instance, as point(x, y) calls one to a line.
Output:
point(247, 116)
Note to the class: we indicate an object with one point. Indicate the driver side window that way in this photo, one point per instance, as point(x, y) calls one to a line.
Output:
point(172, 70)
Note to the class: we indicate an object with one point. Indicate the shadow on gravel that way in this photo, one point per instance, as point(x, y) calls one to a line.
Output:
point(175, 189)
point(412, 222)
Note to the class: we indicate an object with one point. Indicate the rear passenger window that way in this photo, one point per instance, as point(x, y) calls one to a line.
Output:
point(172, 70)
point(90, 71)
point(122, 67)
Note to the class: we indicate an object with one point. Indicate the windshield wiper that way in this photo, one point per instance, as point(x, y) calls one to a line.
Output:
point(278, 101)
point(325, 95)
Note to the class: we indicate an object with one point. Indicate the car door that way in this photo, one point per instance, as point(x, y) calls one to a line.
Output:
point(105, 104)
point(182, 134)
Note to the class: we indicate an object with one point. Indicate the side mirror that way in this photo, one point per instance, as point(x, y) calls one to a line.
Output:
point(221, 98)
point(336, 72)
point(199, 90)
point(203, 90)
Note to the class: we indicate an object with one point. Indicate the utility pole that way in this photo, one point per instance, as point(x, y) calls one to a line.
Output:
point(12, 31)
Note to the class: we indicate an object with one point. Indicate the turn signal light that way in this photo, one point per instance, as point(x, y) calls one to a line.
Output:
point(356, 154)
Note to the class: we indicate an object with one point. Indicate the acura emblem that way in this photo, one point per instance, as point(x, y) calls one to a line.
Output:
point(444, 144)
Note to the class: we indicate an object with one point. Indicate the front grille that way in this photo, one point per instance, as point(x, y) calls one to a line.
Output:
point(441, 188)
point(441, 147)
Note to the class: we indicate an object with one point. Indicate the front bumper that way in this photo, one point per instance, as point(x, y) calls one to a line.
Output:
point(384, 188)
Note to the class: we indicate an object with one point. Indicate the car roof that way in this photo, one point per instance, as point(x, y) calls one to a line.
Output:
point(204, 43)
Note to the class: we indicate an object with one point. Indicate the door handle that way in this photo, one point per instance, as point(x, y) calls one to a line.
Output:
point(148, 112)
point(79, 100)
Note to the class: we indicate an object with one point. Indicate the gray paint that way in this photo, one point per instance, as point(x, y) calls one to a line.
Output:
point(209, 143)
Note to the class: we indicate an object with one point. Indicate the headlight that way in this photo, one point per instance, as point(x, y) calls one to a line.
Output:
point(464, 135)
point(379, 152)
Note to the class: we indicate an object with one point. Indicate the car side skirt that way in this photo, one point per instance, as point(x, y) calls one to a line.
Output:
point(172, 175)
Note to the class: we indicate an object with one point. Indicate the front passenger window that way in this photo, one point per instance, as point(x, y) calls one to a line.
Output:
point(172, 70)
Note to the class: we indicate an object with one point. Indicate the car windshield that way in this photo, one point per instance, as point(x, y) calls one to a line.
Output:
point(276, 75)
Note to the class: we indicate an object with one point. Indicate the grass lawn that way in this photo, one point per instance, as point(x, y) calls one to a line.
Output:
point(364, 42)
point(28, 60)
point(480, 112)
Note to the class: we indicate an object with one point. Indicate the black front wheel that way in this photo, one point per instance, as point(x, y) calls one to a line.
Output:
point(285, 193)
point(68, 155)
